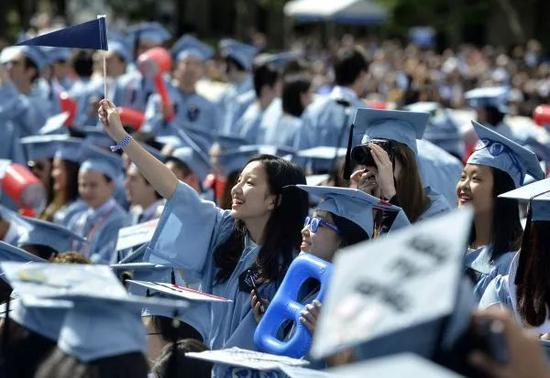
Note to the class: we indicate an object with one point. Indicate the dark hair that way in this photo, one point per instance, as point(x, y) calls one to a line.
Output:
point(410, 192)
point(28, 63)
point(349, 65)
point(165, 327)
point(264, 75)
point(282, 233)
point(533, 285)
point(293, 87)
point(506, 228)
point(494, 116)
point(67, 194)
point(350, 232)
point(24, 352)
point(83, 63)
point(229, 61)
point(61, 365)
point(173, 363)
point(41, 250)
point(230, 181)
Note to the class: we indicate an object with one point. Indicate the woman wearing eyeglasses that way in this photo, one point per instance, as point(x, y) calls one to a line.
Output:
point(385, 163)
point(342, 218)
point(497, 165)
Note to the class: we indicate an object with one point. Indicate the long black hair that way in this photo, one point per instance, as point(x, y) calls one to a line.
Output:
point(506, 228)
point(282, 233)
point(533, 285)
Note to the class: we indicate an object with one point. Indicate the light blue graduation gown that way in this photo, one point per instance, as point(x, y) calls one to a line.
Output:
point(326, 123)
point(248, 126)
point(438, 206)
point(191, 110)
point(65, 214)
point(228, 102)
point(236, 110)
point(438, 169)
point(144, 215)
point(133, 90)
point(479, 261)
point(280, 129)
point(100, 227)
point(186, 237)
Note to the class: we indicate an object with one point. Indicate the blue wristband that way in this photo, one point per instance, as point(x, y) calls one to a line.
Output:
point(123, 143)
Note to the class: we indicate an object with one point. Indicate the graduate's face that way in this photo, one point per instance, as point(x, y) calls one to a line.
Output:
point(189, 71)
point(138, 191)
point(475, 186)
point(59, 175)
point(93, 188)
point(322, 243)
point(251, 199)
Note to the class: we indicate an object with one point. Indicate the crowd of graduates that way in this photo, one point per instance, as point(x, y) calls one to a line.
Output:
point(242, 159)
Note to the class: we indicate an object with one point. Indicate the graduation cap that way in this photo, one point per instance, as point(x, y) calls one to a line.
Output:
point(537, 194)
point(9, 252)
point(188, 46)
point(151, 32)
point(404, 297)
point(57, 237)
point(195, 160)
point(354, 205)
point(496, 97)
point(55, 125)
point(32, 53)
point(108, 163)
point(121, 49)
point(49, 146)
point(96, 136)
point(229, 142)
point(497, 151)
point(400, 126)
point(56, 54)
point(278, 60)
point(240, 52)
point(235, 160)
point(104, 321)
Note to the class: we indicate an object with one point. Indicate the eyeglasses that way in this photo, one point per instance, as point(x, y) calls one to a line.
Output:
point(313, 223)
point(496, 149)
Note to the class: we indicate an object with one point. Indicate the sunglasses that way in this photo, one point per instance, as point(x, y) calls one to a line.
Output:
point(362, 155)
point(313, 223)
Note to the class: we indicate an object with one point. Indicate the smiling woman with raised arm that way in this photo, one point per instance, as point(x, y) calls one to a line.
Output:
point(224, 252)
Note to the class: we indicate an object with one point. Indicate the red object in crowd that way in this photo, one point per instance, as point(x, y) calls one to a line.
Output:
point(216, 183)
point(379, 105)
point(131, 117)
point(541, 115)
point(68, 105)
point(24, 188)
point(154, 63)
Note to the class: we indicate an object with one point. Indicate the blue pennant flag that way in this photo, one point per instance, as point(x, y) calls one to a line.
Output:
point(89, 35)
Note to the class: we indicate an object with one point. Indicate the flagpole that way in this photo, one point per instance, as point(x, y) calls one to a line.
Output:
point(104, 76)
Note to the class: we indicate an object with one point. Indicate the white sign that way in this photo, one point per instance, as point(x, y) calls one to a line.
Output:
point(247, 358)
point(403, 279)
point(131, 236)
point(179, 291)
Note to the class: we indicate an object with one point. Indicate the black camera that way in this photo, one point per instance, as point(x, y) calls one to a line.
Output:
point(362, 155)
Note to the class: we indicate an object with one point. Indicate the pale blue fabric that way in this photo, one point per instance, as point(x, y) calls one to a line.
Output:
point(65, 214)
point(191, 110)
point(101, 228)
point(280, 129)
point(438, 170)
point(237, 107)
point(497, 292)
point(479, 260)
point(438, 206)
point(133, 90)
point(186, 237)
point(44, 321)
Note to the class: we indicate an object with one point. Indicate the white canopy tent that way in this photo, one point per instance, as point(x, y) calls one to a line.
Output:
point(358, 12)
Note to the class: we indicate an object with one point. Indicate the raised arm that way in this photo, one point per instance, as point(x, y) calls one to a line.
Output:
point(158, 175)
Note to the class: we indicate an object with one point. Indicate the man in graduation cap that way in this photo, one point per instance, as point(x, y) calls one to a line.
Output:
point(191, 110)
point(24, 108)
point(133, 89)
point(326, 120)
point(100, 221)
point(238, 59)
